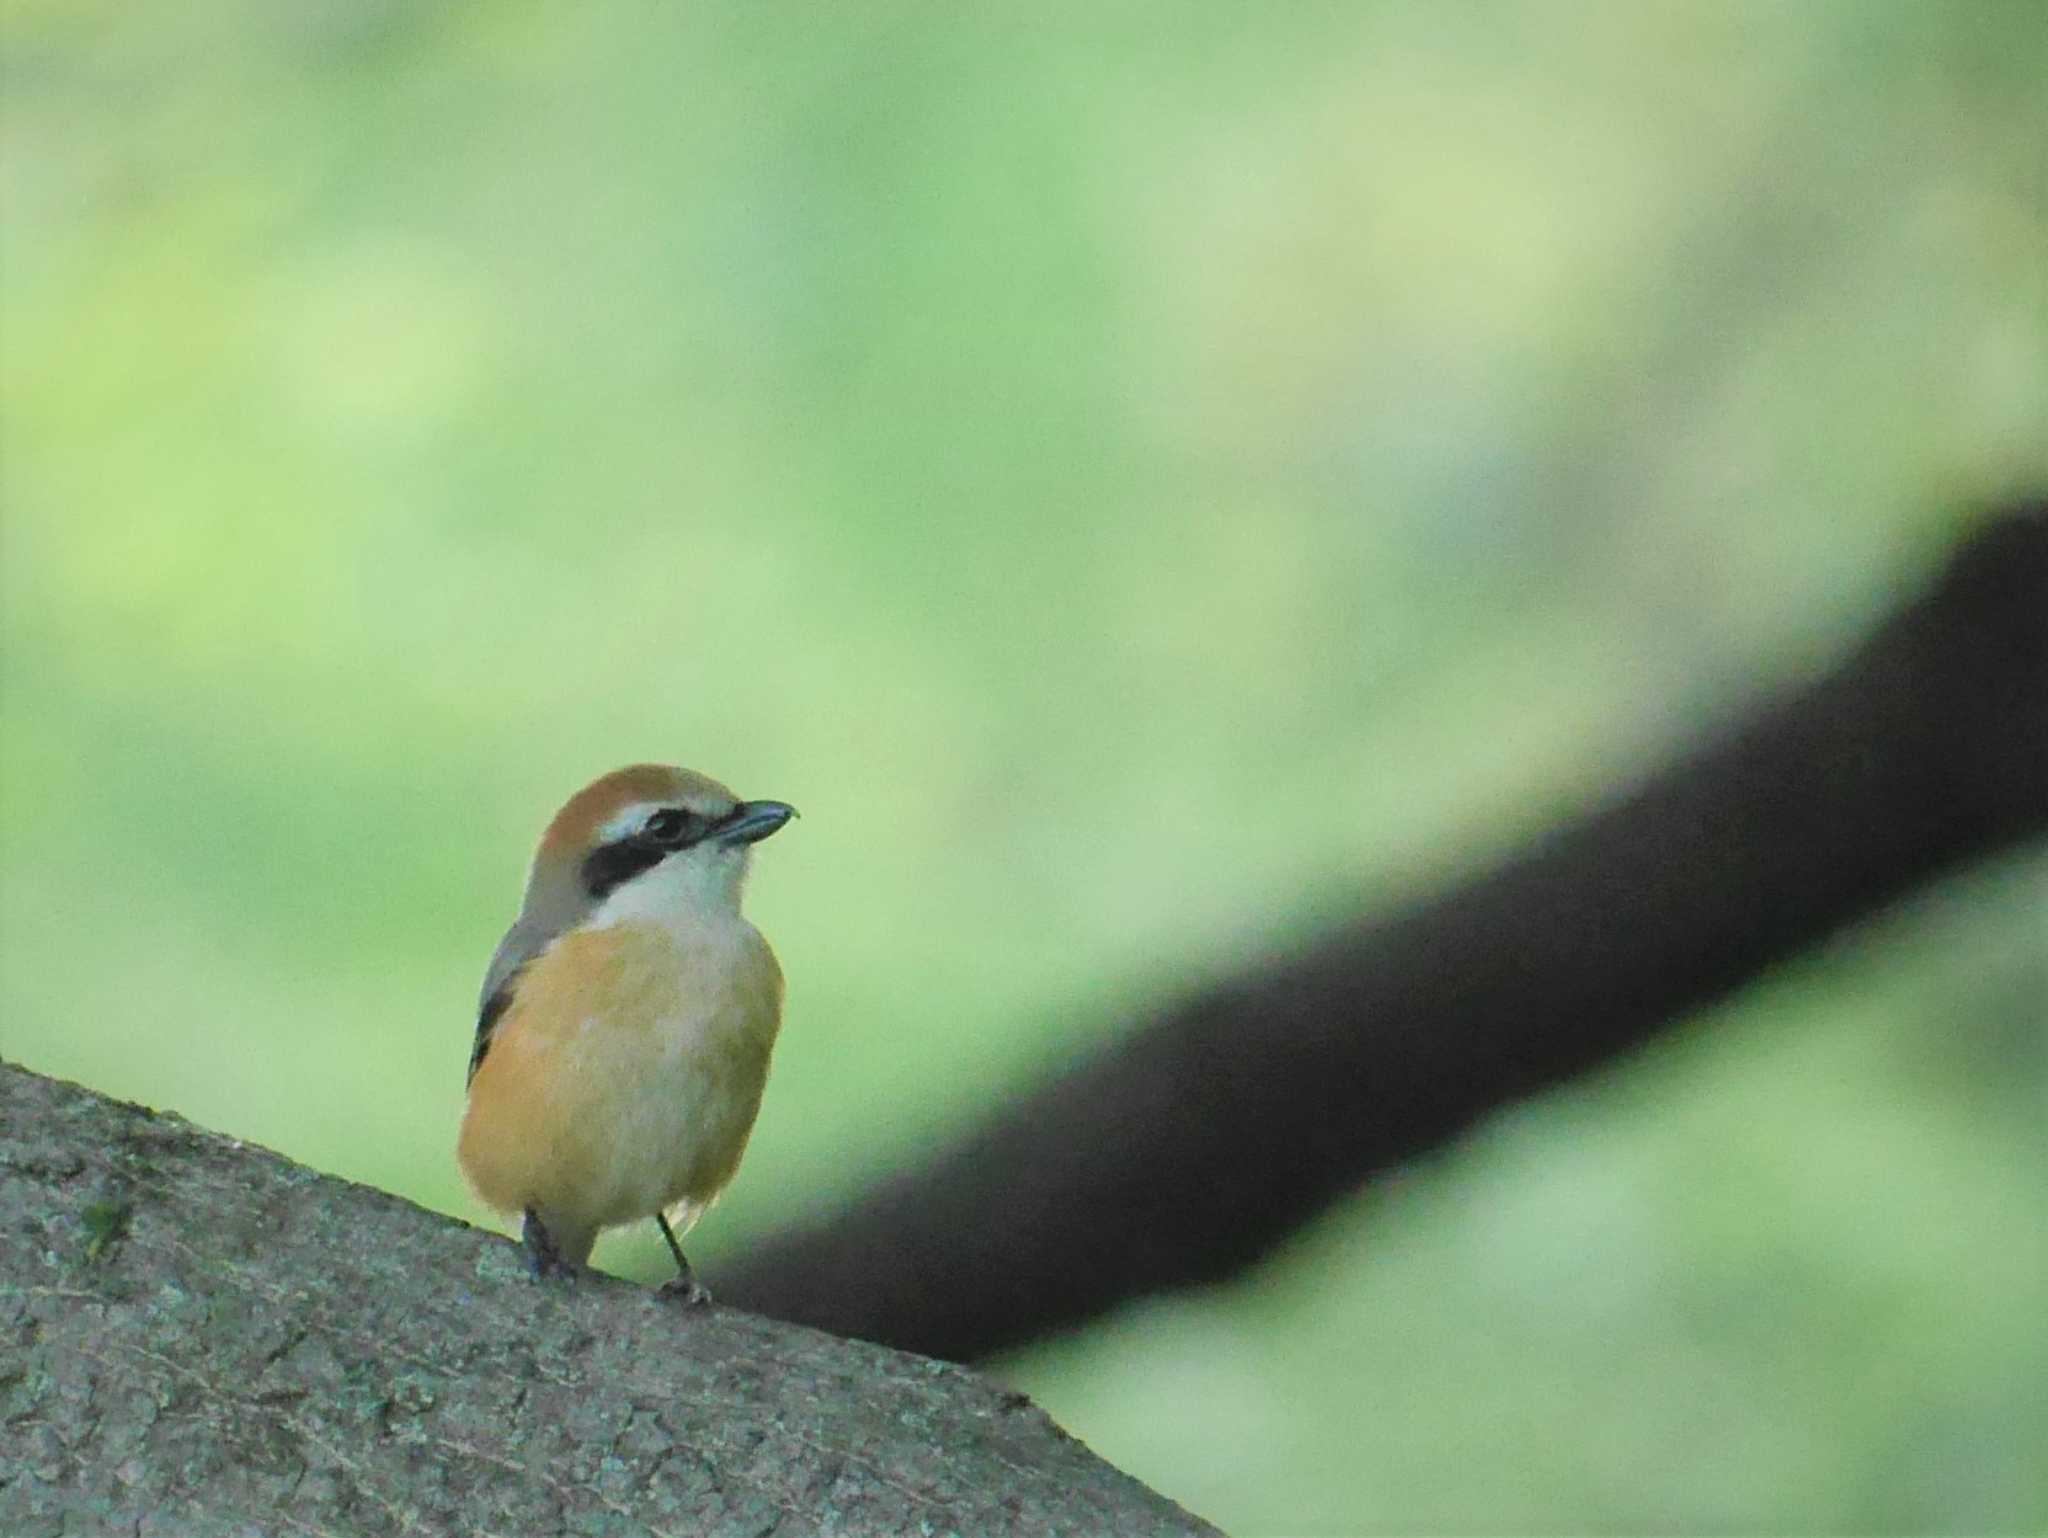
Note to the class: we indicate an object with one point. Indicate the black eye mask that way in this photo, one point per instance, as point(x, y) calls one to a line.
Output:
point(610, 866)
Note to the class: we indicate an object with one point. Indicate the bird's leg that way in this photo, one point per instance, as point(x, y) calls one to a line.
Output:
point(542, 1258)
point(684, 1285)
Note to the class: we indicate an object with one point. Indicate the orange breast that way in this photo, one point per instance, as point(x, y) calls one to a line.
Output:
point(624, 1077)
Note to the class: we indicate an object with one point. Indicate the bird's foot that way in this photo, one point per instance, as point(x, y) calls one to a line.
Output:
point(684, 1286)
point(686, 1290)
point(542, 1258)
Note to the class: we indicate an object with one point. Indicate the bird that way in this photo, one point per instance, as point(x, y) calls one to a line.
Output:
point(627, 1020)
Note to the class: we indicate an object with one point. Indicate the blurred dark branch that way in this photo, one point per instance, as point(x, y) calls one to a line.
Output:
point(1190, 1148)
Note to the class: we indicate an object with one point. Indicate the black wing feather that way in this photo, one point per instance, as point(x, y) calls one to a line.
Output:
point(487, 1020)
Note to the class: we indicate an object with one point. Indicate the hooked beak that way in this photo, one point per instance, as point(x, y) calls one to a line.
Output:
point(752, 821)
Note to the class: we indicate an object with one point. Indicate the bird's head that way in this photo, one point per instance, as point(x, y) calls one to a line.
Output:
point(648, 841)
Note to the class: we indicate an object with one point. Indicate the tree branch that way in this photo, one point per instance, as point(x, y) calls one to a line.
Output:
point(1191, 1147)
point(197, 1336)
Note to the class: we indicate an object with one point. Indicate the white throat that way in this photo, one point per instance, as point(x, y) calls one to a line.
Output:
point(696, 889)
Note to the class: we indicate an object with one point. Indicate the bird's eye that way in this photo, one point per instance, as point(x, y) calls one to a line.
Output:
point(667, 827)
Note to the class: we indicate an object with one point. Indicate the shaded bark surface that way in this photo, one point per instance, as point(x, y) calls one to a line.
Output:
point(200, 1337)
point(1193, 1145)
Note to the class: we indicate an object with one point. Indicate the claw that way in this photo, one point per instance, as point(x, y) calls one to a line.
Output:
point(686, 1290)
point(542, 1258)
point(684, 1286)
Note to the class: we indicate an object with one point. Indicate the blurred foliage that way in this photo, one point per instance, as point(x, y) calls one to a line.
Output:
point(1145, 482)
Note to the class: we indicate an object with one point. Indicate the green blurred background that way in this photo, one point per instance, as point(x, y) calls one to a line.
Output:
point(1145, 481)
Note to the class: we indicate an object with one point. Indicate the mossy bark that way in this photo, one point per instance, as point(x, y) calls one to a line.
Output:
point(198, 1336)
